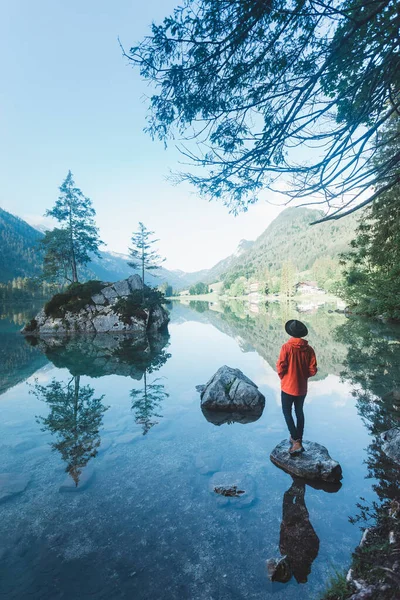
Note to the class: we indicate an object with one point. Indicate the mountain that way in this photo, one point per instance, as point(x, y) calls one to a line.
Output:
point(113, 266)
point(214, 274)
point(290, 237)
point(18, 248)
point(20, 257)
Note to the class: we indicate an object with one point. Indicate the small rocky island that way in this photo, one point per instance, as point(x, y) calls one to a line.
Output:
point(97, 307)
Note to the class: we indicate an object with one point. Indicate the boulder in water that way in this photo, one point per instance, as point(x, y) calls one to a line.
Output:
point(230, 390)
point(313, 463)
point(391, 444)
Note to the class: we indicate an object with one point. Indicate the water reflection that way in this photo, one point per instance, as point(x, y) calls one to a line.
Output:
point(105, 354)
point(17, 360)
point(372, 367)
point(263, 330)
point(298, 544)
point(219, 417)
point(75, 416)
point(75, 419)
point(146, 403)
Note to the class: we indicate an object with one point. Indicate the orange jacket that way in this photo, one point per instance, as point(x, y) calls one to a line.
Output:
point(296, 363)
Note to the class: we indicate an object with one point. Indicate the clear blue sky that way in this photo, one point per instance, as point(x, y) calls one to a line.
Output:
point(69, 100)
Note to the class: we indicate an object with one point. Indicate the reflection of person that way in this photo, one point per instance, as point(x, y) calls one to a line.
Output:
point(296, 363)
point(298, 540)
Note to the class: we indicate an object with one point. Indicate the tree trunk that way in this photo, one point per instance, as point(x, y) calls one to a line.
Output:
point(143, 276)
point(73, 260)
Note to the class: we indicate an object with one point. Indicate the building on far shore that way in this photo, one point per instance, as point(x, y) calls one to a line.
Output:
point(308, 287)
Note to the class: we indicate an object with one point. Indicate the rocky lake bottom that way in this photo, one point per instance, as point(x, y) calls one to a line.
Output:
point(109, 467)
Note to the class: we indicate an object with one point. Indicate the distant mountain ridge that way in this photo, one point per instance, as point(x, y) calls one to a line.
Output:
point(20, 257)
point(289, 237)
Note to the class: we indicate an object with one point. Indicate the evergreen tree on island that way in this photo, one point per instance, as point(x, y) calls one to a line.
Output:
point(142, 255)
point(76, 240)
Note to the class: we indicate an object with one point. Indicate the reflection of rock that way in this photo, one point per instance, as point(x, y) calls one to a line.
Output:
point(279, 569)
point(391, 443)
point(104, 354)
point(228, 481)
point(230, 390)
point(314, 463)
point(221, 417)
point(12, 484)
point(298, 544)
point(102, 314)
point(298, 540)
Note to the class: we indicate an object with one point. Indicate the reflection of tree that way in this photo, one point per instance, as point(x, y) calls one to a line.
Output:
point(264, 331)
point(146, 402)
point(199, 306)
point(75, 419)
point(373, 368)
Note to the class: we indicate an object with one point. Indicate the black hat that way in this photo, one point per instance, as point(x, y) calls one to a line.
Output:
point(296, 328)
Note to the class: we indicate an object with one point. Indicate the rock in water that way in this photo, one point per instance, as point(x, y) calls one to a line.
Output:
point(313, 463)
point(233, 489)
point(12, 484)
point(230, 390)
point(391, 444)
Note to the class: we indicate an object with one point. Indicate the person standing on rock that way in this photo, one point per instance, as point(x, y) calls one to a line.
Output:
point(296, 363)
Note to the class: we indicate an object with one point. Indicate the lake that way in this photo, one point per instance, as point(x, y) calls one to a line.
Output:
point(111, 463)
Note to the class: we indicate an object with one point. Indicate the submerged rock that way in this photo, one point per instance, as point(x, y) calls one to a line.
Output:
point(12, 484)
point(233, 489)
point(100, 314)
point(230, 390)
point(391, 444)
point(313, 463)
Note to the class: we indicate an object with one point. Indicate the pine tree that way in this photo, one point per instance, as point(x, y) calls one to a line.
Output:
point(372, 267)
point(142, 255)
point(287, 279)
point(75, 213)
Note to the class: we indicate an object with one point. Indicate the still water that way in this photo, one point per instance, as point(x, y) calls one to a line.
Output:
point(114, 461)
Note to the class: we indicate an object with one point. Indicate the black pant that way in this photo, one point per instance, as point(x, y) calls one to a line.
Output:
point(296, 431)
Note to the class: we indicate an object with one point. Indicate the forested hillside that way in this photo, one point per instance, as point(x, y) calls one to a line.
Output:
point(19, 255)
point(291, 239)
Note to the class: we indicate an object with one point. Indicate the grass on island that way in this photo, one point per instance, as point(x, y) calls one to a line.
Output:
point(72, 299)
